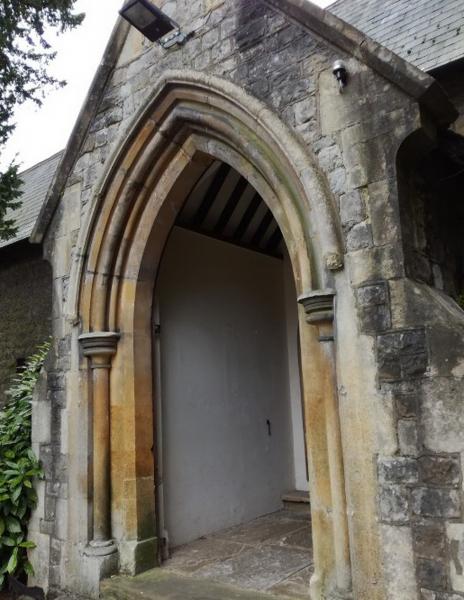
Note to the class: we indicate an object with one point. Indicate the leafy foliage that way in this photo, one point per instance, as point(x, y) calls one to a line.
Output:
point(18, 468)
point(10, 184)
point(24, 57)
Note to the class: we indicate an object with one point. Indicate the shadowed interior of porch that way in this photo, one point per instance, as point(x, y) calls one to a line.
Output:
point(232, 491)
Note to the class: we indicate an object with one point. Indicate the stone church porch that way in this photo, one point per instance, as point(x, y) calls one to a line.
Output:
point(269, 557)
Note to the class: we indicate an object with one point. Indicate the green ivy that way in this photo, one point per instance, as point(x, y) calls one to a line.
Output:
point(18, 468)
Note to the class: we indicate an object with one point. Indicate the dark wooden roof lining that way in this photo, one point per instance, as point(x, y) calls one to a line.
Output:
point(225, 206)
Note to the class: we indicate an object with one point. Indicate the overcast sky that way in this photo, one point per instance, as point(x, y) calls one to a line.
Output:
point(41, 132)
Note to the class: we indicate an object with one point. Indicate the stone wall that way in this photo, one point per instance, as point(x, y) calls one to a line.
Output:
point(25, 306)
point(399, 341)
point(421, 483)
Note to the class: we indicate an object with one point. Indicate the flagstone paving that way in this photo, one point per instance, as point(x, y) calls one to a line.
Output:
point(270, 557)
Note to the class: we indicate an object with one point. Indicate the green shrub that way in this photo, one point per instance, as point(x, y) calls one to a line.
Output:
point(18, 468)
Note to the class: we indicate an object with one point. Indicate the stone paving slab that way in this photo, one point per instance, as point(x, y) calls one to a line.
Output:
point(258, 531)
point(196, 555)
point(160, 584)
point(270, 557)
point(301, 538)
point(295, 586)
point(257, 568)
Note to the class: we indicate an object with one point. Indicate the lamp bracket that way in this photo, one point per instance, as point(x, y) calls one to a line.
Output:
point(175, 38)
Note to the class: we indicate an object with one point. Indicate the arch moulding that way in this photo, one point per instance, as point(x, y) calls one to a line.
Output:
point(190, 121)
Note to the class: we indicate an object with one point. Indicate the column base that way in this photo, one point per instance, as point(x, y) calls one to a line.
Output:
point(92, 569)
point(138, 555)
point(101, 548)
point(319, 590)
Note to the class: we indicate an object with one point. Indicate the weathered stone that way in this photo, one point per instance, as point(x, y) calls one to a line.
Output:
point(412, 341)
point(47, 527)
point(389, 367)
point(375, 318)
point(436, 503)
point(337, 178)
point(455, 533)
point(52, 488)
point(46, 460)
point(430, 595)
point(382, 207)
point(55, 381)
point(442, 418)
point(399, 562)
point(55, 551)
point(374, 294)
point(250, 33)
point(374, 307)
point(429, 540)
point(394, 504)
point(221, 50)
point(210, 38)
point(413, 365)
point(330, 158)
point(438, 470)
point(432, 574)
point(359, 236)
point(403, 353)
point(408, 437)
point(57, 398)
point(407, 405)
point(304, 110)
point(50, 508)
point(398, 470)
point(352, 209)
point(374, 264)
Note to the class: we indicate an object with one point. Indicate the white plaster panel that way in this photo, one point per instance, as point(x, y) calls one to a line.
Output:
point(223, 376)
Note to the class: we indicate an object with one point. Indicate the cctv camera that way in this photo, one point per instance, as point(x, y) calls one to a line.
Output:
point(341, 75)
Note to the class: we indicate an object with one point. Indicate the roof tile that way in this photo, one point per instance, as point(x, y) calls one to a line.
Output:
point(36, 182)
point(429, 33)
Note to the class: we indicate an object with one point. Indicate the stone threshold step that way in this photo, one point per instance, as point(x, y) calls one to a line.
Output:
point(159, 584)
point(296, 496)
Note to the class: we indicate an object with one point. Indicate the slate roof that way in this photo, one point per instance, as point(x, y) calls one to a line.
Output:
point(383, 20)
point(36, 182)
point(427, 33)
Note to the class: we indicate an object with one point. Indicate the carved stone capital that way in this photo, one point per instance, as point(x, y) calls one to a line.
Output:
point(99, 343)
point(318, 305)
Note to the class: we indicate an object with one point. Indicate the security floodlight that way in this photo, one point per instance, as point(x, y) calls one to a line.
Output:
point(152, 22)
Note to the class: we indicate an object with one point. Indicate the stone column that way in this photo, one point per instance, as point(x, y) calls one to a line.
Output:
point(319, 309)
point(99, 348)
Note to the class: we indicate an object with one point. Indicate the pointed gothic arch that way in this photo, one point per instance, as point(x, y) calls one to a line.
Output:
point(190, 121)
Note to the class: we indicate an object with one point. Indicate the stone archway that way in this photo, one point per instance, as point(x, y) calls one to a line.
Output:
point(191, 121)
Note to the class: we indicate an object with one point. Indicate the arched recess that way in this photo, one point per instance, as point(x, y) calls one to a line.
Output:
point(192, 120)
point(430, 180)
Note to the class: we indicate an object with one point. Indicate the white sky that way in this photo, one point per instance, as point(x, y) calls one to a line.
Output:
point(40, 132)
